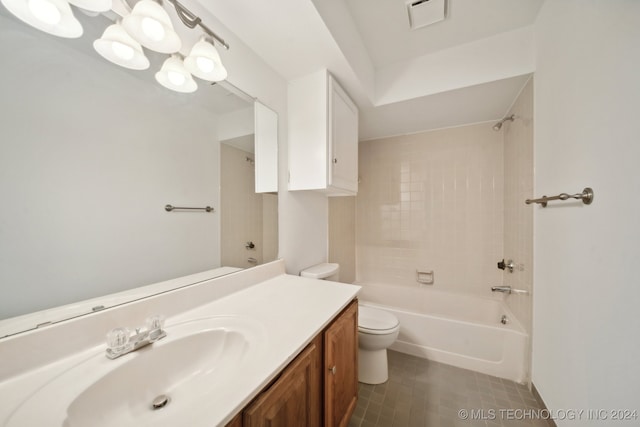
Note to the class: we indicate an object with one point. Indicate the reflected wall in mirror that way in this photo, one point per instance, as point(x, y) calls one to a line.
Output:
point(90, 154)
point(249, 219)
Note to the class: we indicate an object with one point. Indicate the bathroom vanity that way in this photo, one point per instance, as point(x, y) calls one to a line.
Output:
point(247, 349)
point(330, 364)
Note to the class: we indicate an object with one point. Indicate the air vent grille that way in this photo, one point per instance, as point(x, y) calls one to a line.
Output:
point(426, 12)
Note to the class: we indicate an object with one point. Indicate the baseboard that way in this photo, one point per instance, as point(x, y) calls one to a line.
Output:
point(540, 401)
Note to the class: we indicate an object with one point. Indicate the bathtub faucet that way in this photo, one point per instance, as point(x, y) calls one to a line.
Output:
point(509, 290)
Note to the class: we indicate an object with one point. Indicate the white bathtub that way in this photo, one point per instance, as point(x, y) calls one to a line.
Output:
point(455, 329)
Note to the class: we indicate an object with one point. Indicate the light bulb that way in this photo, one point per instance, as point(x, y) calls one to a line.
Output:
point(206, 65)
point(51, 16)
point(204, 61)
point(117, 46)
point(45, 11)
point(152, 29)
point(176, 78)
point(122, 50)
point(150, 25)
point(173, 75)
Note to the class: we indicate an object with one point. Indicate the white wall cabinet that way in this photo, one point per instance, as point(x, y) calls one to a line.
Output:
point(323, 136)
point(266, 148)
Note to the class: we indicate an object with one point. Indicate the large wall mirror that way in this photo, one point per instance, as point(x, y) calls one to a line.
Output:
point(90, 154)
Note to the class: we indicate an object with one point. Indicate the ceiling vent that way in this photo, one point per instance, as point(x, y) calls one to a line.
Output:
point(426, 12)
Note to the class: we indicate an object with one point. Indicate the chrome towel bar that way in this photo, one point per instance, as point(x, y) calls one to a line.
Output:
point(586, 196)
point(170, 208)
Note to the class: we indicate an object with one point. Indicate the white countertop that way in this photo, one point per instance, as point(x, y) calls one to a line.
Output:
point(292, 310)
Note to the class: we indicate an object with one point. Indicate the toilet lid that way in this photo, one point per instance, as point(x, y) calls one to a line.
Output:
point(375, 319)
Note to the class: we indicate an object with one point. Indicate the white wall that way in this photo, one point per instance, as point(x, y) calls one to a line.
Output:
point(586, 350)
point(302, 216)
point(303, 223)
point(236, 124)
point(494, 58)
point(518, 217)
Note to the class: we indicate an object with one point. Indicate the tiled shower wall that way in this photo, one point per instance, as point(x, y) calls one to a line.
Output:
point(432, 201)
point(518, 217)
point(244, 215)
point(342, 236)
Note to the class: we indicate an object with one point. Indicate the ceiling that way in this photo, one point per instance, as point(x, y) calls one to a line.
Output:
point(441, 110)
point(384, 26)
point(372, 52)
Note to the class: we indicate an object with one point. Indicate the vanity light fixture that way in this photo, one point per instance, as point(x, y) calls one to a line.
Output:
point(204, 61)
point(117, 46)
point(149, 24)
point(51, 16)
point(173, 75)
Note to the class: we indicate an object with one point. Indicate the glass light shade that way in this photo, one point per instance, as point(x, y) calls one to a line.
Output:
point(45, 11)
point(149, 24)
point(51, 16)
point(93, 5)
point(173, 75)
point(204, 62)
point(117, 46)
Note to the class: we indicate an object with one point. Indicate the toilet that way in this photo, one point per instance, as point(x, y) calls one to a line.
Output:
point(377, 330)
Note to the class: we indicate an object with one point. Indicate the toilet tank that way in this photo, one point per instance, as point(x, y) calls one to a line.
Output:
point(325, 271)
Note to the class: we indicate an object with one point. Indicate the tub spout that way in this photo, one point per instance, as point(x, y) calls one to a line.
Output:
point(509, 290)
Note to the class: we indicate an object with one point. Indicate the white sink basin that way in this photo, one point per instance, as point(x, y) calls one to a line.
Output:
point(197, 360)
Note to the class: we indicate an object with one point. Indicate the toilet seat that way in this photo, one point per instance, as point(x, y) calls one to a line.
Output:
point(376, 322)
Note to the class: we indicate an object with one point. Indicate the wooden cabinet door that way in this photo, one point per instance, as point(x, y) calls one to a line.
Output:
point(236, 421)
point(295, 399)
point(341, 368)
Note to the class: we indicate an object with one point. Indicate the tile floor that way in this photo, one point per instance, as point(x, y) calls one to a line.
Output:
point(430, 394)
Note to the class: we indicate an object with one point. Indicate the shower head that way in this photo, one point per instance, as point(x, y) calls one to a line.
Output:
point(498, 125)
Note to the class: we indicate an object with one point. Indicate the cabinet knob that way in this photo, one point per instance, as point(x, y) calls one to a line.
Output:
point(335, 160)
point(333, 369)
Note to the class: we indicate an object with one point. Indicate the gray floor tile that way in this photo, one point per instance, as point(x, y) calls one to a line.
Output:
point(424, 393)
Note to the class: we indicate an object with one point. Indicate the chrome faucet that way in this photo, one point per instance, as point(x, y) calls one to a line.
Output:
point(509, 290)
point(121, 341)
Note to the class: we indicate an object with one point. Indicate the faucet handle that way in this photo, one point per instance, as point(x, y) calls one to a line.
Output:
point(155, 322)
point(154, 326)
point(118, 338)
